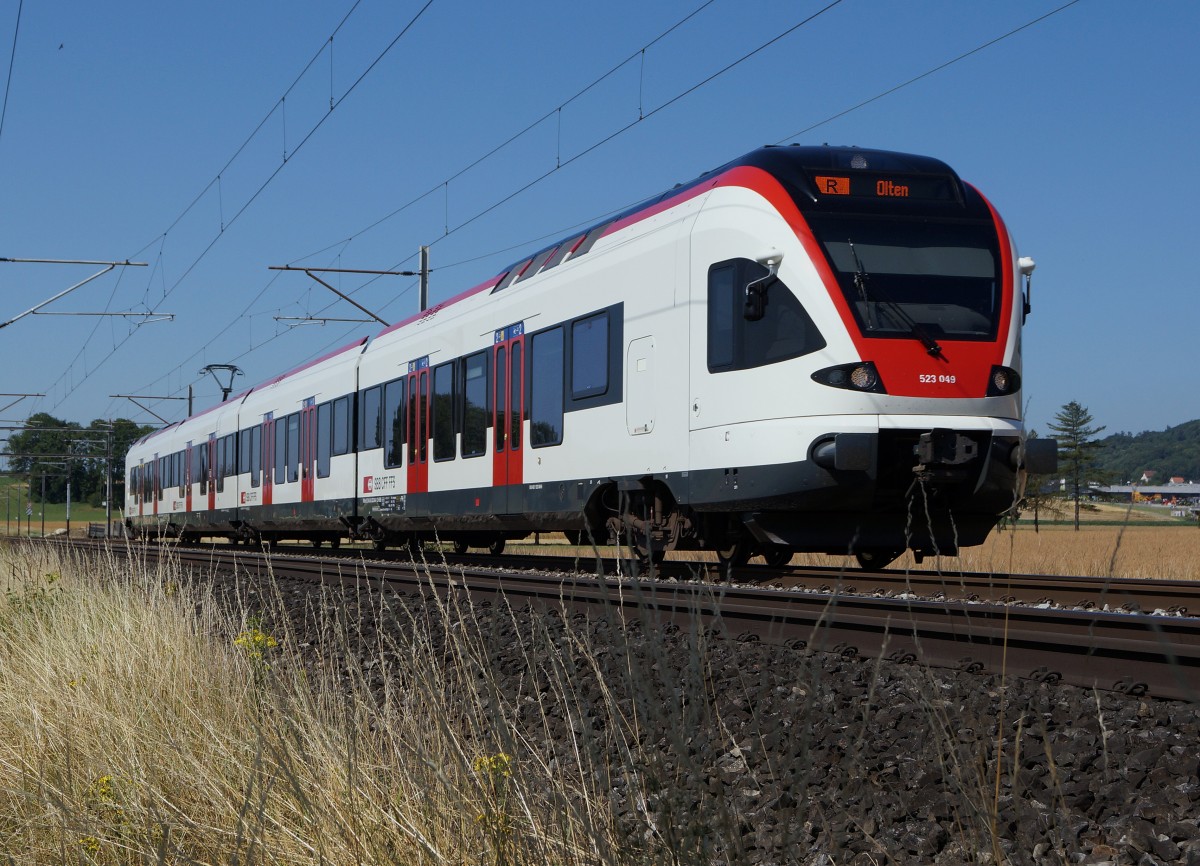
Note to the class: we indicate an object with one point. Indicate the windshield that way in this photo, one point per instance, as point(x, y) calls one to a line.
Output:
point(929, 280)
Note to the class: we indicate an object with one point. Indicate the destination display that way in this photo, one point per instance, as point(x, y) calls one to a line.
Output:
point(876, 185)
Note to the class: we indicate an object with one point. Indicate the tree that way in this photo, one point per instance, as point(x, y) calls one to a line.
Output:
point(124, 434)
point(1076, 447)
point(64, 450)
point(46, 446)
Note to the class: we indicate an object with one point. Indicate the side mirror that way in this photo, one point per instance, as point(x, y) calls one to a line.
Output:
point(756, 301)
point(756, 292)
point(1025, 265)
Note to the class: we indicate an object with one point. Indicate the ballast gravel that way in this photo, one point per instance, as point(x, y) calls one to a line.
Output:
point(714, 750)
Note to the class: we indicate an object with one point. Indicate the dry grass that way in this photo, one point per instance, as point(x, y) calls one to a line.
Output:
point(139, 724)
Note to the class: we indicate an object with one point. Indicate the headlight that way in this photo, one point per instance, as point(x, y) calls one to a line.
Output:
point(861, 376)
point(1002, 381)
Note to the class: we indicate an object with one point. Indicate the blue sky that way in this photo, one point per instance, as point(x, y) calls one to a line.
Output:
point(129, 133)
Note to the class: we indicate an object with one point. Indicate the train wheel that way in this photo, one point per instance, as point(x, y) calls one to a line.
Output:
point(316, 542)
point(496, 547)
point(648, 561)
point(460, 547)
point(335, 543)
point(777, 555)
point(735, 554)
point(379, 544)
point(416, 548)
point(875, 558)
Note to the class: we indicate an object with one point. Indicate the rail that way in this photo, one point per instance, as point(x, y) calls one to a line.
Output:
point(1132, 652)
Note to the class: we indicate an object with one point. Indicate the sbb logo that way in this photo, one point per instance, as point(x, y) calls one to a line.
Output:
point(368, 483)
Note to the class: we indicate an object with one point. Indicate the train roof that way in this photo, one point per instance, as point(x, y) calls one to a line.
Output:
point(794, 166)
point(236, 398)
point(798, 168)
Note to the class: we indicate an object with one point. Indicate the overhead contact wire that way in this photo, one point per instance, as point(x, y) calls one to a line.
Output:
point(12, 59)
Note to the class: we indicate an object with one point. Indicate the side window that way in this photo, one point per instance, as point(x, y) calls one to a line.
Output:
point(341, 426)
point(589, 356)
point(720, 317)
point(393, 414)
point(244, 450)
point(501, 392)
point(546, 410)
point(422, 425)
point(475, 415)
point(443, 412)
point(222, 469)
point(280, 450)
point(370, 420)
point(203, 449)
point(231, 455)
point(516, 404)
point(785, 331)
point(255, 454)
point(293, 447)
point(324, 438)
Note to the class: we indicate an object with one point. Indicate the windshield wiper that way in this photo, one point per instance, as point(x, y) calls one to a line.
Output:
point(869, 297)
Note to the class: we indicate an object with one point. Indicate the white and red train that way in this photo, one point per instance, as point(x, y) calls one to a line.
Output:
point(808, 349)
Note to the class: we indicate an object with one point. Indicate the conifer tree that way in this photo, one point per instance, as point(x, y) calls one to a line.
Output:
point(1076, 446)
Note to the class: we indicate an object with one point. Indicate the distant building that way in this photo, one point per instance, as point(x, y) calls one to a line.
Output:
point(1176, 479)
point(1182, 492)
point(1147, 476)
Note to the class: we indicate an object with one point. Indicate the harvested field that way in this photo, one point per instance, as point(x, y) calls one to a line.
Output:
point(1136, 550)
point(1150, 549)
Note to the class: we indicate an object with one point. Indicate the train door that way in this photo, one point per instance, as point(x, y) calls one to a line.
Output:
point(187, 477)
point(417, 480)
point(308, 450)
point(508, 410)
point(156, 481)
point(139, 489)
point(268, 457)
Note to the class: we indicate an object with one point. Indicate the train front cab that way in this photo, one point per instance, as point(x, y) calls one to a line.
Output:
point(892, 415)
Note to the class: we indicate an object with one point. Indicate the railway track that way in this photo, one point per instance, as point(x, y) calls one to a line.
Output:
point(1124, 650)
point(1131, 595)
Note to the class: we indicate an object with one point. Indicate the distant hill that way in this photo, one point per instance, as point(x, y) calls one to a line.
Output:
point(1170, 452)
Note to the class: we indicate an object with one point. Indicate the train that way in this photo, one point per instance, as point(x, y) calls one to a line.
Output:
point(807, 349)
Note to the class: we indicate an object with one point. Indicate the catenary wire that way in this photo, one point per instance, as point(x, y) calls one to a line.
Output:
point(664, 105)
point(167, 291)
point(927, 73)
point(11, 62)
point(465, 169)
point(538, 179)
